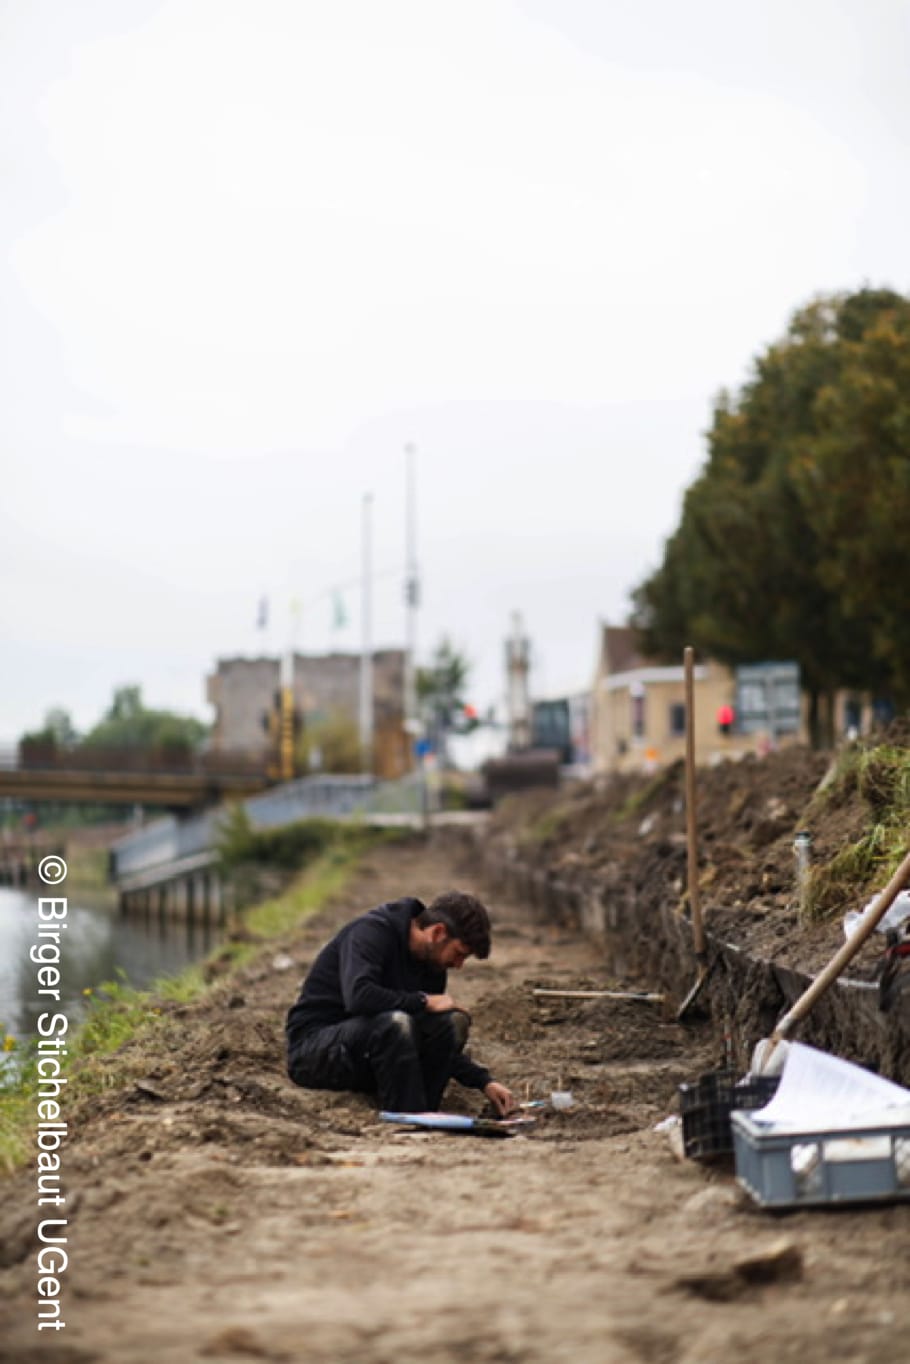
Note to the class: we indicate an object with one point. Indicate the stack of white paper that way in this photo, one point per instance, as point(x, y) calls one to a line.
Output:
point(819, 1092)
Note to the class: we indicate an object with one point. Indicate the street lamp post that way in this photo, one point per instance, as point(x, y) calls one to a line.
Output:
point(411, 596)
point(366, 649)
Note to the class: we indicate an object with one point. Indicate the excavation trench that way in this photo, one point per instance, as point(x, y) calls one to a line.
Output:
point(646, 941)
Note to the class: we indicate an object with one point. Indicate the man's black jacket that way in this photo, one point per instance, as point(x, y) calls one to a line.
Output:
point(368, 969)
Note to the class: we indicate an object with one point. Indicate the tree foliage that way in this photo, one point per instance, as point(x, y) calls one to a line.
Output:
point(129, 724)
point(57, 731)
point(441, 691)
point(441, 686)
point(790, 544)
point(288, 846)
point(330, 743)
point(126, 724)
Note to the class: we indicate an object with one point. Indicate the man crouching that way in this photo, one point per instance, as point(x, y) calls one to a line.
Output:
point(374, 1014)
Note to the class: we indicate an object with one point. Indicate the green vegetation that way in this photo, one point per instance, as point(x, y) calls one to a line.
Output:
point(453, 792)
point(325, 877)
point(792, 542)
point(330, 743)
point(545, 827)
point(441, 691)
point(117, 1013)
point(55, 817)
point(127, 723)
point(120, 1014)
point(440, 687)
point(880, 776)
point(288, 847)
point(638, 801)
point(130, 724)
point(17, 1114)
point(87, 869)
point(58, 729)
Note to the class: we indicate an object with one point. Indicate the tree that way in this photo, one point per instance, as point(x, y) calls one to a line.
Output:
point(440, 690)
point(57, 731)
point(780, 552)
point(854, 479)
point(330, 743)
point(128, 724)
point(126, 705)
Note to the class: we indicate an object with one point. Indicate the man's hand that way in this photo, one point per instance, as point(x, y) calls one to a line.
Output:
point(438, 1004)
point(500, 1097)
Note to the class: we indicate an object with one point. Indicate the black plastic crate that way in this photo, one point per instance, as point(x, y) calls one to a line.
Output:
point(706, 1107)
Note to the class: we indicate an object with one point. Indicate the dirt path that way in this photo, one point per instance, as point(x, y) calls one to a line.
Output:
point(217, 1213)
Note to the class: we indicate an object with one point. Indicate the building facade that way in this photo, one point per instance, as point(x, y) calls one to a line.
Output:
point(639, 709)
point(244, 692)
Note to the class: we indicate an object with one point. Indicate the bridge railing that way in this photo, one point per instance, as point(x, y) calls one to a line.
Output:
point(164, 840)
point(333, 797)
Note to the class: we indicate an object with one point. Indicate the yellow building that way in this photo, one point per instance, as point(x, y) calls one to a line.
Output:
point(639, 710)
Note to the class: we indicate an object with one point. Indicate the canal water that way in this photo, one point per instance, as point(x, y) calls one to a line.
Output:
point(98, 944)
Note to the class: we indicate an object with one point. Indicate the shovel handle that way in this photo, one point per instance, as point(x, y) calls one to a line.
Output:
point(847, 952)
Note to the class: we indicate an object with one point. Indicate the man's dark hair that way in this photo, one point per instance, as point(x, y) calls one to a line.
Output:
point(464, 917)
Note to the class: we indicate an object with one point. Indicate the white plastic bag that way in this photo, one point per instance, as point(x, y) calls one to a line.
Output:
point(897, 913)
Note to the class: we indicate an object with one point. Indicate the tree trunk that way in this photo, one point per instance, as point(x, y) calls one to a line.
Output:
point(827, 716)
point(820, 719)
point(813, 718)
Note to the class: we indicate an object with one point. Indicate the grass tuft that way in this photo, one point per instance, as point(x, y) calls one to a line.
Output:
point(880, 776)
point(545, 827)
point(638, 802)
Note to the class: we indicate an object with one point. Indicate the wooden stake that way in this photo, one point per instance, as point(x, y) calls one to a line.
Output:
point(698, 932)
point(639, 996)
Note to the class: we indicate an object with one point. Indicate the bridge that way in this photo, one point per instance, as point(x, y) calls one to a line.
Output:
point(171, 779)
point(171, 867)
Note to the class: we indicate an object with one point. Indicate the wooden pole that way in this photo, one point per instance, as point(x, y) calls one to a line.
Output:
point(698, 932)
point(639, 996)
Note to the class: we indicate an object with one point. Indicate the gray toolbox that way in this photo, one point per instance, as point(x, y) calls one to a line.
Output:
point(853, 1164)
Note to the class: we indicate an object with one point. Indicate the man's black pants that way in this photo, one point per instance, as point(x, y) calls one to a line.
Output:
point(405, 1058)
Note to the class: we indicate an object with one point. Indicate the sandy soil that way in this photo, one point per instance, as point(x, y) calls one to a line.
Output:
point(217, 1213)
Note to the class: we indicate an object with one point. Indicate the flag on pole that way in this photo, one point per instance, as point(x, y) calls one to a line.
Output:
point(339, 612)
point(262, 615)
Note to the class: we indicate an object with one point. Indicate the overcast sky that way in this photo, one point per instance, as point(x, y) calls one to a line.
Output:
point(251, 248)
